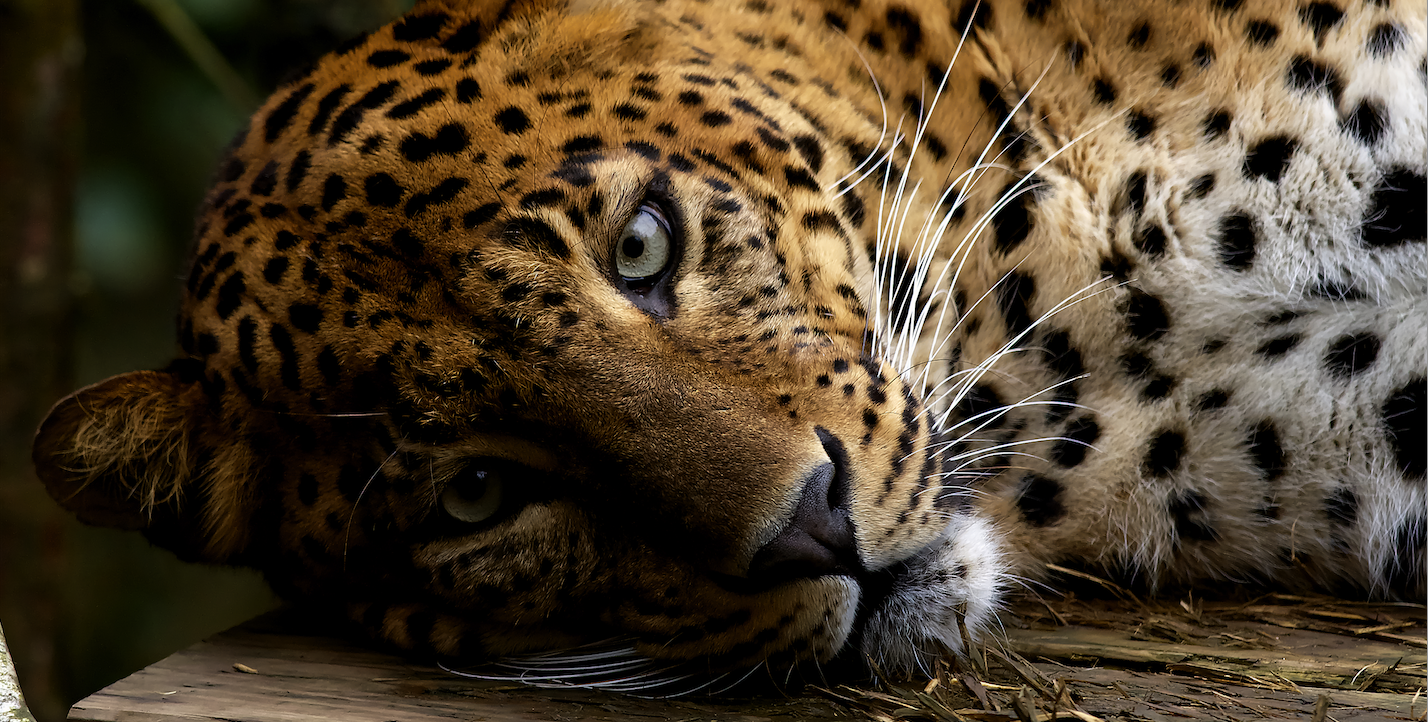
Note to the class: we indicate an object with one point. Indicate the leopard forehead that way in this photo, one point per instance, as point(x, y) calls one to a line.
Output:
point(418, 169)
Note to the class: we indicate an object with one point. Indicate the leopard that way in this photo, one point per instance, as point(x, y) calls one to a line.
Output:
point(770, 333)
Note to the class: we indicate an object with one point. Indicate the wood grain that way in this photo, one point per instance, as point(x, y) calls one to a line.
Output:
point(1072, 659)
point(298, 677)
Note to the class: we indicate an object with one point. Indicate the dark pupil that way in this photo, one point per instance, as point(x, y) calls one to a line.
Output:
point(633, 247)
point(473, 487)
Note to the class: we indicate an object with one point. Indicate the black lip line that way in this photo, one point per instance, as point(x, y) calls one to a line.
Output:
point(875, 587)
point(744, 585)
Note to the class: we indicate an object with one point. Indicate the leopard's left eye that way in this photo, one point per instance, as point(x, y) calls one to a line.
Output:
point(474, 496)
point(643, 252)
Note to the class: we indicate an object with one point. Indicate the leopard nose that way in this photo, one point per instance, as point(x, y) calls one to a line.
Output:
point(819, 537)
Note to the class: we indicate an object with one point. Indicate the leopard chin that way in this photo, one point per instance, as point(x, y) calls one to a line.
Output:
point(944, 598)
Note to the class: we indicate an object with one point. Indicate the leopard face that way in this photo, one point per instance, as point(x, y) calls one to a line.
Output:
point(775, 332)
point(504, 332)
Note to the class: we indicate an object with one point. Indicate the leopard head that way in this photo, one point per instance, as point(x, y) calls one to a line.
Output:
point(510, 327)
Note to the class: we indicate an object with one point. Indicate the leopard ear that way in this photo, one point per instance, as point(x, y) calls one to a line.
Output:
point(120, 454)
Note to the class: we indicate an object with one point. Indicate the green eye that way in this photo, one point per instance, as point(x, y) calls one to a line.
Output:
point(474, 496)
point(645, 246)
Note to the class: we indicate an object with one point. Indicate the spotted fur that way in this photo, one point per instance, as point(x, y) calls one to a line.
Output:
point(958, 290)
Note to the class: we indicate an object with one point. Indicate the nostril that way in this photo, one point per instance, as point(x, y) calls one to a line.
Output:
point(819, 537)
point(838, 488)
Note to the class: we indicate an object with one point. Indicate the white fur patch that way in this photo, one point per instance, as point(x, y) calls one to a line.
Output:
point(962, 573)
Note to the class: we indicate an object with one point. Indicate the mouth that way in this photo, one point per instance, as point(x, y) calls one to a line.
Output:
point(885, 598)
point(875, 589)
point(937, 602)
point(615, 665)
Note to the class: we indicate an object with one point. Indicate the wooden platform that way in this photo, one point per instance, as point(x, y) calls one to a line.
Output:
point(1277, 657)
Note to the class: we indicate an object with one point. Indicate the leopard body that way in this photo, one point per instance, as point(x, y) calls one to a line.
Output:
point(953, 291)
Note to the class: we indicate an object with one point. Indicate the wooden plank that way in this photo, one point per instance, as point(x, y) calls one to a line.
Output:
point(1094, 694)
point(1166, 662)
point(1111, 693)
point(1336, 663)
point(301, 678)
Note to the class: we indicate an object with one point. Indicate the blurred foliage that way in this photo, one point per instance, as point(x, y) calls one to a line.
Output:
point(154, 127)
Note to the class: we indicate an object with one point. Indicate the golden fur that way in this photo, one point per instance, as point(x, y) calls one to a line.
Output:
point(955, 290)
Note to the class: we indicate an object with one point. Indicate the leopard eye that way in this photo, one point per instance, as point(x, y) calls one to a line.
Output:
point(474, 496)
point(644, 249)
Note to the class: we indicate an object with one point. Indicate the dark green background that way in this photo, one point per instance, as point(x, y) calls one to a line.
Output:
point(83, 607)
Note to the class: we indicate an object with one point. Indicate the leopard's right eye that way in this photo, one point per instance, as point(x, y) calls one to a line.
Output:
point(645, 258)
point(645, 248)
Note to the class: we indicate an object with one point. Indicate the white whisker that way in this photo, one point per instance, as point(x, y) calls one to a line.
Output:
point(882, 134)
point(352, 513)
